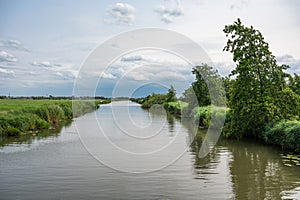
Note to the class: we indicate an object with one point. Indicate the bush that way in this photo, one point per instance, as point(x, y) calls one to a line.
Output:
point(12, 131)
point(204, 115)
point(285, 133)
point(175, 108)
point(42, 124)
point(154, 99)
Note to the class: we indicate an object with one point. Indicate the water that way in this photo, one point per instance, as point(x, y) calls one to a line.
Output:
point(58, 165)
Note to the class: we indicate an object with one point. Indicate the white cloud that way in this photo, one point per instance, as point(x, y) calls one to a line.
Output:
point(59, 74)
point(239, 4)
point(107, 75)
point(13, 44)
point(167, 15)
point(6, 57)
point(224, 68)
point(122, 13)
point(42, 64)
point(154, 58)
point(65, 70)
point(6, 72)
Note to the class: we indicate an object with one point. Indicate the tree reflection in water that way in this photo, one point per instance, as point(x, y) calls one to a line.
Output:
point(256, 170)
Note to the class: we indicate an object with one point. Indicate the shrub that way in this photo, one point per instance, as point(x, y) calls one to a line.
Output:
point(154, 99)
point(175, 107)
point(285, 133)
point(12, 131)
point(42, 124)
point(204, 115)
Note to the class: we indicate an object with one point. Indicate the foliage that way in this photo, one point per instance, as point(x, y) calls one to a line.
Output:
point(285, 133)
point(294, 83)
point(171, 96)
point(175, 108)
point(206, 78)
point(51, 113)
point(205, 90)
point(203, 115)
point(80, 107)
point(153, 99)
point(24, 115)
point(255, 96)
point(12, 131)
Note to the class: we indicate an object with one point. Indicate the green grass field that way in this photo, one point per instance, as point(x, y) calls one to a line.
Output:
point(21, 115)
point(8, 105)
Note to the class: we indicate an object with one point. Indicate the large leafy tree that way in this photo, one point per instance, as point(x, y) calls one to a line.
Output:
point(206, 89)
point(171, 95)
point(256, 94)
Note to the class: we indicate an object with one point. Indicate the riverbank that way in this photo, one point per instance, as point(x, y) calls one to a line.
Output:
point(20, 116)
point(282, 133)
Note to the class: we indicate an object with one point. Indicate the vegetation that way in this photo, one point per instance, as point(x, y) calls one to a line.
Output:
point(263, 100)
point(259, 93)
point(153, 99)
point(285, 133)
point(18, 116)
point(206, 86)
point(176, 108)
point(204, 114)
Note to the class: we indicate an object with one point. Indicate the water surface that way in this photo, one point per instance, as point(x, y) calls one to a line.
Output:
point(58, 166)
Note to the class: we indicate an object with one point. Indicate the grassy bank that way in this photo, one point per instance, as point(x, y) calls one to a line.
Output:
point(283, 133)
point(20, 116)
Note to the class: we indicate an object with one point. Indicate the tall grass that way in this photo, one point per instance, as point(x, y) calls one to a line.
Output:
point(29, 116)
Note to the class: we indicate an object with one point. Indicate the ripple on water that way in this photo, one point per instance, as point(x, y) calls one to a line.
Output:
point(293, 194)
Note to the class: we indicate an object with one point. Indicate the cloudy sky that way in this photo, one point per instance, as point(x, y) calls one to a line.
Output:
point(44, 44)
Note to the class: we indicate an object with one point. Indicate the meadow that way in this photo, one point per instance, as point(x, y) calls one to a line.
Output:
point(19, 116)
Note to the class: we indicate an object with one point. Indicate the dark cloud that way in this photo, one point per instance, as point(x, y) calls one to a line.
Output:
point(291, 61)
point(285, 59)
point(132, 58)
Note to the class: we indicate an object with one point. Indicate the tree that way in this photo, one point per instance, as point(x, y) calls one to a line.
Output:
point(255, 96)
point(207, 83)
point(294, 83)
point(171, 96)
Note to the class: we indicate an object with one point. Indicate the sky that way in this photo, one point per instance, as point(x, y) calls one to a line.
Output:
point(44, 45)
